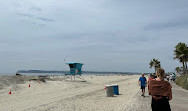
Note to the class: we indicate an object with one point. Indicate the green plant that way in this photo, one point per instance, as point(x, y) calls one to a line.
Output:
point(155, 63)
point(181, 54)
point(182, 81)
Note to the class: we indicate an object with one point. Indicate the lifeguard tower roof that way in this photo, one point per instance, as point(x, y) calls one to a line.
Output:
point(74, 63)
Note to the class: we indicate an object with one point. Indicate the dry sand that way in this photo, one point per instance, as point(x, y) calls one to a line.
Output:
point(58, 94)
point(61, 95)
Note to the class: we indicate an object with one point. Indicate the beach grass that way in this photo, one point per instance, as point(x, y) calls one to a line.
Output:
point(182, 81)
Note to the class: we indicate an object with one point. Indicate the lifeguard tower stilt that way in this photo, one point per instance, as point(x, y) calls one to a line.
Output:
point(75, 71)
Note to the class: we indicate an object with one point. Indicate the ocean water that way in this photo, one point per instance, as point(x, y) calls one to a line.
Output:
point(37, 74)
point(31, 74)
point(8, 74)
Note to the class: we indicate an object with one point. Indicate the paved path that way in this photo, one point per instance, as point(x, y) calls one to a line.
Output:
point(179, 100)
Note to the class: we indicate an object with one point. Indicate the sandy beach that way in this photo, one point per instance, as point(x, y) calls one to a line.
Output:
point(58, 94)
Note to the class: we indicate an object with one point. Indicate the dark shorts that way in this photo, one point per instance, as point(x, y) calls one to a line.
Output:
point(142, 87)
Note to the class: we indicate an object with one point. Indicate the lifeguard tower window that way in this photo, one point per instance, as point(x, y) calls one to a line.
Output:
point(71, 65)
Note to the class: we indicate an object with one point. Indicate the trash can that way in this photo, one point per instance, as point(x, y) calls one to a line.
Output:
point(116, 89)
point(109, 91)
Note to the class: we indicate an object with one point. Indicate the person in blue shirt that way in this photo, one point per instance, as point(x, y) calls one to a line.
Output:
point(143, 84)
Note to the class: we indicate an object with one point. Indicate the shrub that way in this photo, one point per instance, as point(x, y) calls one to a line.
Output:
point(182, 81)
point(185, 85)
point(42, 79)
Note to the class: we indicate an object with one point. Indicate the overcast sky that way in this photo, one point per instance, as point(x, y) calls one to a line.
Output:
point(105, 35)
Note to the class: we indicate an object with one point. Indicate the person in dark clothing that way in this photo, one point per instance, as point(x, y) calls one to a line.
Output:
point(160, 105)
point(161, 92)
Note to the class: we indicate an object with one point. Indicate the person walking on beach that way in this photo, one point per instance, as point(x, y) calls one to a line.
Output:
point(149, 79)
point(167, 77)
point(161, 92)
point(143, 82)
point(171, 78)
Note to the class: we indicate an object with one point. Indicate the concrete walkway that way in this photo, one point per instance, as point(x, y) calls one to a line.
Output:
point(179, 100)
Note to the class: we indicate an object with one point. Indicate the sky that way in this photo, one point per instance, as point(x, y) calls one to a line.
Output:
point(105, 35)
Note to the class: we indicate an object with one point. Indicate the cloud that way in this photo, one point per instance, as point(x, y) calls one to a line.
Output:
point(34, 8)
point(179, 23)
point(36, 20)
point(40, 24)
point(36, 17)
point(26, 15)
point(45, 19)
point(106, 35)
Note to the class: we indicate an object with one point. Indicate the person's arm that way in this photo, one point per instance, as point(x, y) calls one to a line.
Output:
point(170, 95)
point(146, 82)
point(139, 81)
point(149, 87)
point(149, 80)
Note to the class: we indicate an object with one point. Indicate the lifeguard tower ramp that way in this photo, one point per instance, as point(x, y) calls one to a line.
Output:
point(75, 71)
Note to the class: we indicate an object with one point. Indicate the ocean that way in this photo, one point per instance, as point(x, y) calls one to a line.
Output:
point(94, 73)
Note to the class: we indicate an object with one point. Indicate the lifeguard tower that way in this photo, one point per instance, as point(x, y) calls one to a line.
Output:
point(75, 71)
